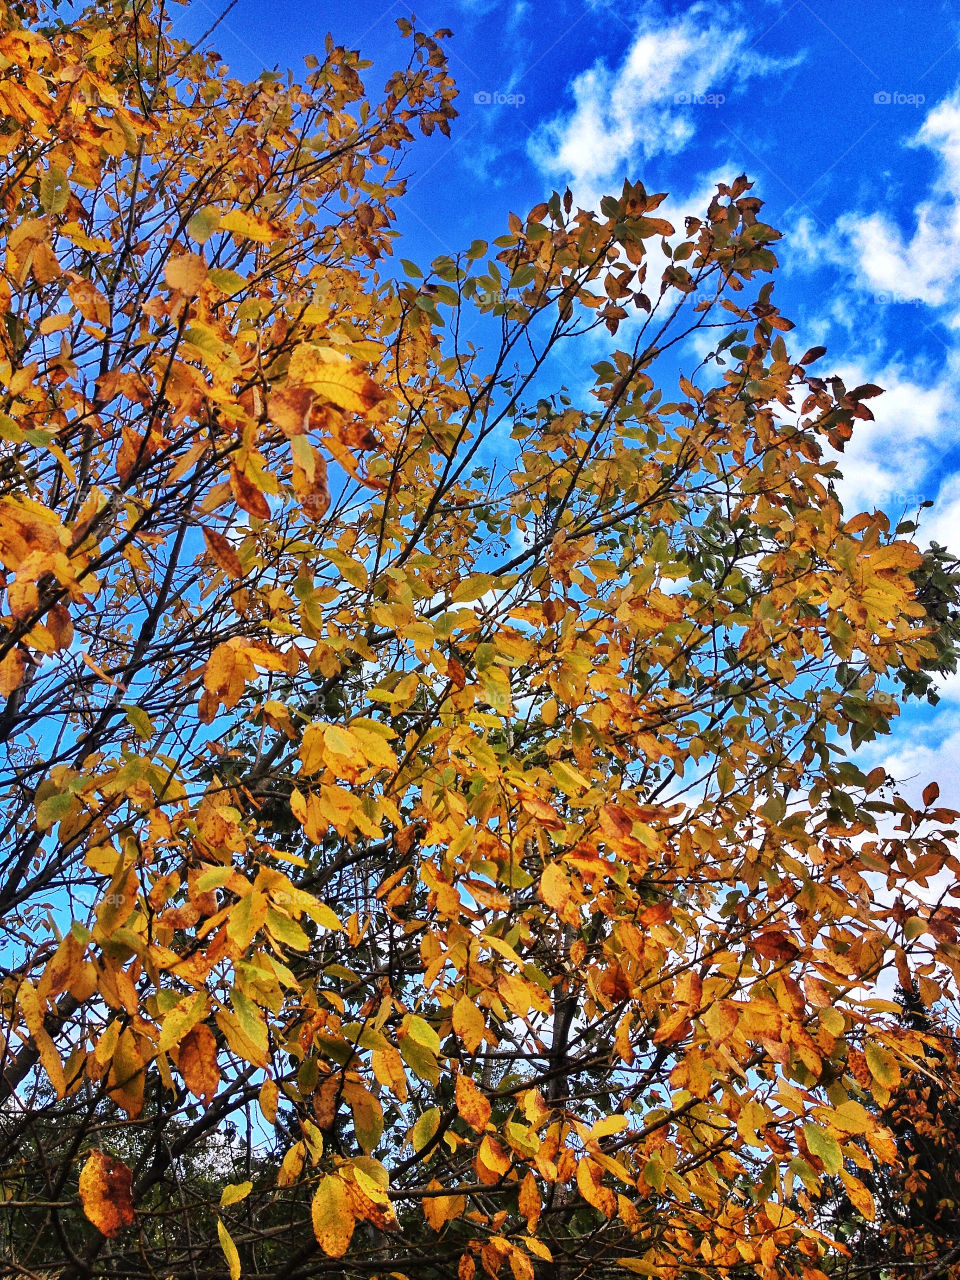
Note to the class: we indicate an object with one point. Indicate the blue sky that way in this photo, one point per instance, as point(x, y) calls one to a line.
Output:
point(845, 116)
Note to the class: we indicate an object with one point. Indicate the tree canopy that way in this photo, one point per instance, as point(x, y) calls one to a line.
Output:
point(430, 842)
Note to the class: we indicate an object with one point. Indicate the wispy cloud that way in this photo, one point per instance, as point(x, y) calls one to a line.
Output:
point(922, 265)
point(891, 464)
point(674, 69)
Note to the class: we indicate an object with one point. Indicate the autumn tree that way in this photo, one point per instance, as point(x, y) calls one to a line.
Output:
point(430, 840)
point(916, 1230)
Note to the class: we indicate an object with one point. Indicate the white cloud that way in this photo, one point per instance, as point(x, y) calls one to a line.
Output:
point(925, 264)
point(889, 463)
point(933, 755)
point(625, 115)
point(943, 522)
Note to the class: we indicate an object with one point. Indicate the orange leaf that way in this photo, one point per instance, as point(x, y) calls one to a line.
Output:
point(674, 1028)
point(615, 822)
point(105, 1193)
point(222, 553)
point(529, 1202)
point(471, 1103)
point(60, 625)
point(197, 1062)
point(248, 495)
point(545, 814)
point(775, 945)
point(289, 409)
point(11, 670)
point(186, 274)
point(439, 1209)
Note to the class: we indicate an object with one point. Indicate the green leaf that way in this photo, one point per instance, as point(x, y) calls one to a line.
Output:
point(420, 1060)
point(883, 1065)
point(228, 282)
point(569, 779)
point(250, 1018)
point(367, 1121)
point(54, 190)
point(422, 1032)
point(425, 1128)
point(214, 878)
point(203, 224)
point(52, 810)
point(472, 588)
point(825, 1146)
point(287, 931)
point(10, 431)
point(140, 721)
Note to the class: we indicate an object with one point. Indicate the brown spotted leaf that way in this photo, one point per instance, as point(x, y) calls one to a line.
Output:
point(106, 1193)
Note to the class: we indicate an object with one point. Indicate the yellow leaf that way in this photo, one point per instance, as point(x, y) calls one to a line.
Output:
point(33, 1015)
point(472, 588)
point(493, 1156)
point(291, 1165)
point(859, 1196)
point(247, 227)
point(468, 1023)
point(55, 324)
point(333, 1219)
point(12, 667)
point(590, 1182)
point(268, 1099)
point(183, 1017)
point(234, 1193)
point(555, 887)
point(334, 376)
point(441, 1209)
point(229, 1250)
point(127, 1076)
